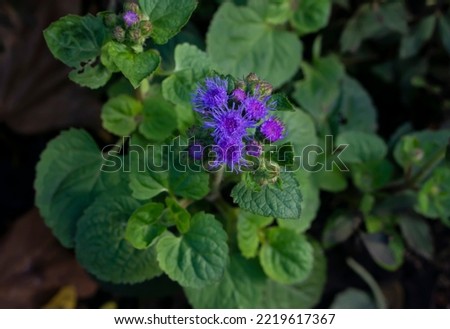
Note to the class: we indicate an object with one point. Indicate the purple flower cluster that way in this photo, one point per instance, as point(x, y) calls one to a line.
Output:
point(130, 18)
point(234, 119)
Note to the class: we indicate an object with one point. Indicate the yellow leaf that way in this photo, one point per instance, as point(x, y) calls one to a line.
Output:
point(66, 297)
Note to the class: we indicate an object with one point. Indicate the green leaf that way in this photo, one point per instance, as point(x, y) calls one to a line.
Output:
point(159, 119)
point(91, 76)
point(417, 234)
point(75, 40)
point(444, 29)
point(386, 250)
point(285, 256)
point(376, 224)
point(144, 186)
point(191, 66)
point(239, 42)
point(167, 17)
point(248, 232)
point(197, 258)
point(353, 298)
point(68, 178)
point(301, 132)
point(275, 12)
point(338, 229)
point(318, 92)
point(101, 246)
point(362, 147)
point(119, 115)
point(301, 295)
point(178, 215)
point(154, 170)
point(241, 287)
point(355, 107)
point(433, 200)
point(420, 34)
point(271, 200)
point(372, 175)
point(282, 103)
point(187, 183)
point(310, 204)
point(370, 21)
point(311, 15)
point(143, 227)
point(149, 172)
point(331, 181)
point(413, 151)
point(185, 118)
point(135, 66)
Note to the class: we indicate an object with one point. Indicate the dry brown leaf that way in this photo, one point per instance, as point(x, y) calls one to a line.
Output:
point(35, 92)
point(35, 266)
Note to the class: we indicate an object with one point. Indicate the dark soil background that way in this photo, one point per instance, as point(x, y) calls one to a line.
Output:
point(37, 101)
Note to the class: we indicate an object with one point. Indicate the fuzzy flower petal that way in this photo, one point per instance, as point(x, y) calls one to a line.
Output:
point(130, 18)
point(239, 95)
point(272, 129)
point(255, 108)
point(212, 95)
point(229, 124)
point(230, 154)
point(253, 148)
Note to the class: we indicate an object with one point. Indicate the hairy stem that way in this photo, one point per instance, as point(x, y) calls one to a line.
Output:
point(370, 281)
point(215, 185)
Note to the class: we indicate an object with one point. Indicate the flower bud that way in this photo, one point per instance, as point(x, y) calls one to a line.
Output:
point(119, 34)
point(130, 18)
point(110, 20)
point(135, 36)
point(268, 173)
point(146, 28)
point(240, 85)
point(254, 149)
point(131, 6)
point(239, 95)
point(265, 88)
point(252, 78)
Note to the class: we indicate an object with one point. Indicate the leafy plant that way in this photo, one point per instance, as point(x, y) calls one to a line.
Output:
point(216, 175)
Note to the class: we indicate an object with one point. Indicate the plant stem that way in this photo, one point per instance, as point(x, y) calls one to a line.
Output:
point(230, 217)
point(410, 183)
point(215, 185)
point(184, 203)
point(426, 169)
point(369, 280)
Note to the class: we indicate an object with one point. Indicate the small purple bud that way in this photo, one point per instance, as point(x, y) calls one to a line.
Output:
point(272, 129)
point(239, 95)
point(196, 151)
point(130, 18)
point(253, 148)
